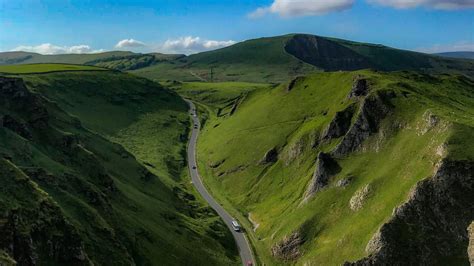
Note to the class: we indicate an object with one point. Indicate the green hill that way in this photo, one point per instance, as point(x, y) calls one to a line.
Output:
point(264, 60)
point(346, 166)
point(277, 59)
point(45, 68)
point(466, 54)
point(117, 60)
point(92, 171)
point(7, 58)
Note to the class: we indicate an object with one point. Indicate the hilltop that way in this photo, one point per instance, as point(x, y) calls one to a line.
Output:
point(117, 60)
point(331, 168)
point(92, 172)
point(466, 55)
point(271, 59)
point(277, 59)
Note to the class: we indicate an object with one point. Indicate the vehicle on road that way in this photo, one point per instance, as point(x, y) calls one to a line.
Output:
point(236, 226)
point(249, 263)
point(194, 167)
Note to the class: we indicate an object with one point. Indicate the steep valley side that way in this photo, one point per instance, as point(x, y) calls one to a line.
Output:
point(72, 195)
point(325, 167)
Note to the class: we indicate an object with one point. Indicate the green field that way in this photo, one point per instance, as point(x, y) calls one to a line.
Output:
point(391, 161)
point(45, 68)
point(106, 150)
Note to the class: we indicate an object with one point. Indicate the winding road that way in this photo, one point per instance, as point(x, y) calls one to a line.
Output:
point(240, 238)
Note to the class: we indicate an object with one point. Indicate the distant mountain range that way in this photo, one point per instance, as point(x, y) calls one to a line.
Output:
point(461, 54)
point(273, 59)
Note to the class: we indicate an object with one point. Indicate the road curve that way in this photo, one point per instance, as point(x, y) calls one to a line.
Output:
point(240, 239)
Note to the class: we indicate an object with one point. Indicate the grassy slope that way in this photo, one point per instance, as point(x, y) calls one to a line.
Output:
point(44, 68)
point(33, 58)
point(391, 161)
point(259, 60)
point(266, 60)
point(263, 60)
point(156, 220)
point(117, 60)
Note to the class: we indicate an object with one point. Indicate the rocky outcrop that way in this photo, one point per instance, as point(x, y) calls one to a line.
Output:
point(431, 122)
point(374, 108)
point(293, 83)
point(326, 167)
point(359, 88)
point(33, 229)
point(360, 196)
point(431, 226)
point(270, 156)
point(340, 124)
point(18, 127)
point(14, 89)
point(289, 248)
point(42, 241)
point(344, 182)
point(294, 151)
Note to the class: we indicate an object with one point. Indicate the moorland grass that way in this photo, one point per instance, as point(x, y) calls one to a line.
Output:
point(45, 68)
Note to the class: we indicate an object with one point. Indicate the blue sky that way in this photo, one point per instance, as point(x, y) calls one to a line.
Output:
point(189, 26)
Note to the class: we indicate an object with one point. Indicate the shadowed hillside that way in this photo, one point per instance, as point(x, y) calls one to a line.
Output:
point(72, 195)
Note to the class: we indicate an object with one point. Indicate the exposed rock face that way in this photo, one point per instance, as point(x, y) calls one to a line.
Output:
point(344, 182)
point(270, 156)
point(470, 248)
point(430, 122)
point(15, 126)
point(340, 124)
point(373, 110)
point(25, 246)
point(431, 226)
point(325, 54)
point(15, 89)
point(357, 201)
point(359, 88)
point(325, 168)
point(294, 151)
point(288, 248)
point(33, 230)
point(293, 82)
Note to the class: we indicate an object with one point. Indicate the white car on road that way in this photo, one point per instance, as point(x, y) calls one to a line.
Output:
point(236, 226)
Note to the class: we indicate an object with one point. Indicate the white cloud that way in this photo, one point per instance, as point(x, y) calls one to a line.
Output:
point(455, 47)
point(190, 45)
point(295, 8)
point(435, 4)
point(129, 43)
point(48, 48)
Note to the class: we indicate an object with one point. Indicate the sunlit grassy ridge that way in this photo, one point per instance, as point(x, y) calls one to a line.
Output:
point(277, 59)
point(391, 161)
point(127, 207)
point(44, 68)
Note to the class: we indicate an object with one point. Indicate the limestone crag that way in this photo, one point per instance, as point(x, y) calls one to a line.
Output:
point(326, 167)
point(431, 226)
point(289, 248)
point(374, 108)
point(339, 125)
